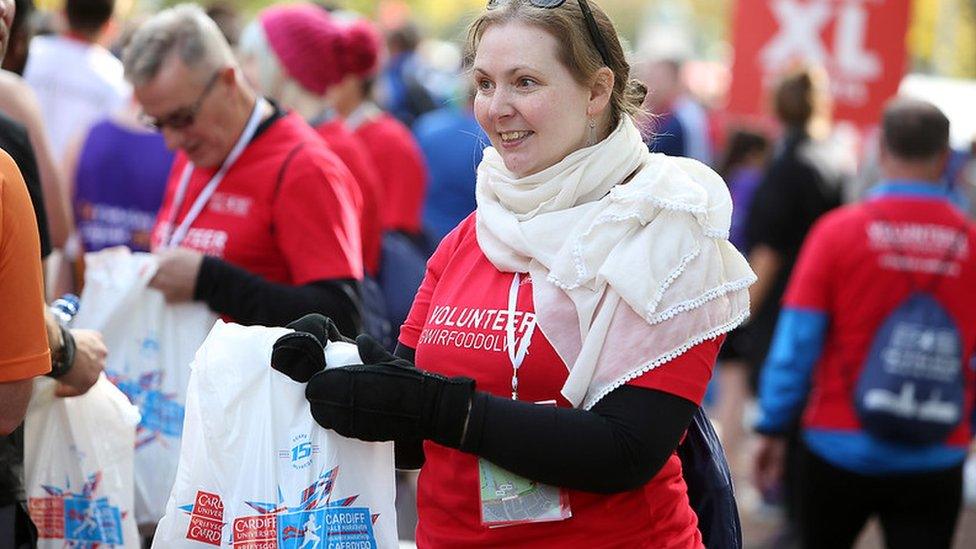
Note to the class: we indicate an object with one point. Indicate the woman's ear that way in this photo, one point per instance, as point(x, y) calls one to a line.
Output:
point(600, 91)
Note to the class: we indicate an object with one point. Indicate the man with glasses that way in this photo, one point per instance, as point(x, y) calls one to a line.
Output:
point(259, 219)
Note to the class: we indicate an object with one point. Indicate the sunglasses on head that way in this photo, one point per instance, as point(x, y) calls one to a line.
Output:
point(591, 26)
point(183, 117)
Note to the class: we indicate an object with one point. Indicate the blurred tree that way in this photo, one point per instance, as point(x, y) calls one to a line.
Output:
point(921, 34)
point(122, 6)
point(942, 38)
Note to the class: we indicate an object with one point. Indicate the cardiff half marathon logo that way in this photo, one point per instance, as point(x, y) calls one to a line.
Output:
point(316, 522)
point(162, 414)
point(82, 520)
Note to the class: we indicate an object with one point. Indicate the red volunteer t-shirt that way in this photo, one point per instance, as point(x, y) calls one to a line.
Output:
point(403, 174)
point(287, 210)
point(457, 326)
point(354, 155)
point(856, 266)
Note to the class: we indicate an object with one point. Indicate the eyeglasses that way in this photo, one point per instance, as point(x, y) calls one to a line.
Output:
point(183, 117)
point(591, 26)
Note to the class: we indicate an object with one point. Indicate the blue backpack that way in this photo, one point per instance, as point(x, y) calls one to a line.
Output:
point(911, 389)
point(709, 481)
point(376, 320)
point(403, 264)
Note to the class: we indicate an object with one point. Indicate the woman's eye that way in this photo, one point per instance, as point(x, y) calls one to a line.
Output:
point(484, 85)
point(525, 82)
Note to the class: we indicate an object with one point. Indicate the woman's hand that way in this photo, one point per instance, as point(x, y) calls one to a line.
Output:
point(301, 354)
point(387, 398)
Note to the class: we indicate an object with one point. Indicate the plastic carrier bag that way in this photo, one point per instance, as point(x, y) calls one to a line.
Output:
point(256, 471)
point(150, 347)
point(78, 459)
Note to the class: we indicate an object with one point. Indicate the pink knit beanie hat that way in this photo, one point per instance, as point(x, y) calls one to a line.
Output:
point(315, 49)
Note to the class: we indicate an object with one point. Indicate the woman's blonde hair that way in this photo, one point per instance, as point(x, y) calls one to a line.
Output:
point(577, 51)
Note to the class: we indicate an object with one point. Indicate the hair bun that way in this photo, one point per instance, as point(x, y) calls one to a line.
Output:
point(635, 92)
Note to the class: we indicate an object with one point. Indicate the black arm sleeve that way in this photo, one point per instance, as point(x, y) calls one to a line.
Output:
point(250, 299)
point(618, 445)
point(408, 454)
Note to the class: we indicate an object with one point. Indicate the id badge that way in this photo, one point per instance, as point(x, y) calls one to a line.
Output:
point(508, 499)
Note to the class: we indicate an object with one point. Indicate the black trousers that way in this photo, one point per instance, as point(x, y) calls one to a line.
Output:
point(915, 510)
point(16, 529)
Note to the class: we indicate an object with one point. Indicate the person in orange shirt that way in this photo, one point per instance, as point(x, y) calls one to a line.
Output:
point(28, 337)
point(24, 351)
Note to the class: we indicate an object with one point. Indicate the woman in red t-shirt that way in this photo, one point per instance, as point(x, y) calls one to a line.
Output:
point(276, 52)
point(394, 151)
point(563, 337)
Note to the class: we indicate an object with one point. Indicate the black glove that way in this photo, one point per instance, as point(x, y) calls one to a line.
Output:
point(299, 354)
point(386, 398)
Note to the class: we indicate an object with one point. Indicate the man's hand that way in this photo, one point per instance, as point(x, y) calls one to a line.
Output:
point(90, 353)
point(769, 462)
point(176, 276)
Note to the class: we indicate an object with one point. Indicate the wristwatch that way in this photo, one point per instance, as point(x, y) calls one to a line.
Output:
point(64, 357)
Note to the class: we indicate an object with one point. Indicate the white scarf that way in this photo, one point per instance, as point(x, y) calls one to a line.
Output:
point(656, 245)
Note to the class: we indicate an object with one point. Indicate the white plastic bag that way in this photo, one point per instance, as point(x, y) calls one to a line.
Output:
point(257, 471)
point(78, 459)
point(150, 347)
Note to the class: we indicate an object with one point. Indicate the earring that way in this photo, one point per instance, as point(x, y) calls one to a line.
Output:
point(591, 134)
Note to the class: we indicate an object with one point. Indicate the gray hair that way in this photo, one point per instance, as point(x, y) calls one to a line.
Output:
point(184, 30)
point(253, 47)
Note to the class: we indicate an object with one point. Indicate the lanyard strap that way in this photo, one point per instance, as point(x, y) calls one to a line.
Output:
point(516, 355)
point(174, 237)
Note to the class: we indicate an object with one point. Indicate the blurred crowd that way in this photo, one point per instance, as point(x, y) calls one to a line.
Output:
point(117, 145)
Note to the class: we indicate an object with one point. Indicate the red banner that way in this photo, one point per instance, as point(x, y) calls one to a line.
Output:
point(861, 44)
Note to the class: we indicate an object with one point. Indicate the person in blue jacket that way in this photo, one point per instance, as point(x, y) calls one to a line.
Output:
point(874, 347)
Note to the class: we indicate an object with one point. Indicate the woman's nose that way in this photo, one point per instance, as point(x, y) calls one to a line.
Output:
point(501, 104)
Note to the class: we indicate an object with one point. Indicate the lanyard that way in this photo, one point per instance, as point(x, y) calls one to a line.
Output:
point(517, 356)
point(174, 237)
